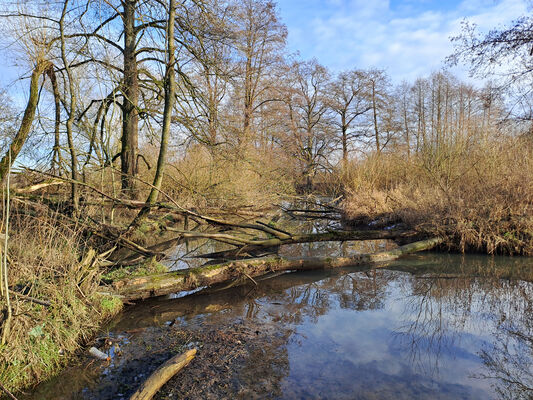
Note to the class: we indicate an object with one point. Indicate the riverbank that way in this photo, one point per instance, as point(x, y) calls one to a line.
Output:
point(56, 308)
point(478, 197)
point(327, 333)
point(52, 258)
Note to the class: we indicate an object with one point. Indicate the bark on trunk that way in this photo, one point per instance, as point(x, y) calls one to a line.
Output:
point(130, 89)
point(27, 120)
point(57, 161)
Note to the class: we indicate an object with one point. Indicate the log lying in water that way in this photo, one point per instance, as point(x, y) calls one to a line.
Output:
point(162, 374)
point(254, 245)
point(185, 280)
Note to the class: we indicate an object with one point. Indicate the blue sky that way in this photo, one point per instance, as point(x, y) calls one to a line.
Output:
point(408, 38)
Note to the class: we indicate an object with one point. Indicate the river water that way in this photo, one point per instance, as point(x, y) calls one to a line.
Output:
point(429, 326)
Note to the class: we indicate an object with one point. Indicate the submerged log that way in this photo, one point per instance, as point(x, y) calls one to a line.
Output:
point(161, 375)
point(185, 280)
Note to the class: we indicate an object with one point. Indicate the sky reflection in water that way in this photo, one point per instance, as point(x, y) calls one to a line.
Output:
point(429, 326)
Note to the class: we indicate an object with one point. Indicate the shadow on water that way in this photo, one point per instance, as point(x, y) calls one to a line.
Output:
point(429, 326)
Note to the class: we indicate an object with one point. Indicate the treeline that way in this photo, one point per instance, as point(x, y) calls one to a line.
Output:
point(99, 68)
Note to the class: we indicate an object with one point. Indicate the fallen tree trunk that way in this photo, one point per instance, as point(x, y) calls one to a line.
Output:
point(185, 280)
point(161, 375)
point(250, 247)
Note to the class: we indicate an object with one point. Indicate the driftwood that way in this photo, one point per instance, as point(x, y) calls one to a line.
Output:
point(161, 375)
point(185, 280)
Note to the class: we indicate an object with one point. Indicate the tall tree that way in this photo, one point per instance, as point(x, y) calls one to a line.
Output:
point(378, 87)
point(70, 108)
point(260, 39)
point(310, 139)
point(348, 97)
point(170, 92)
point(130, 91)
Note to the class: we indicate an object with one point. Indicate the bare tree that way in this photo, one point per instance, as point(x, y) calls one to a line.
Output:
point(378, 86)
point(310, 138)
point(170, 90)
point(348, 97)
point(503, 54)
point(260, 40)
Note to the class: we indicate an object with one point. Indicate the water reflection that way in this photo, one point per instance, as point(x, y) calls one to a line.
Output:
point(427, 327)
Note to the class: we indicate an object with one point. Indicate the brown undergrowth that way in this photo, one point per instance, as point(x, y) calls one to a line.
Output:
point(48, 248)
point(218, 179)
point(478, 195)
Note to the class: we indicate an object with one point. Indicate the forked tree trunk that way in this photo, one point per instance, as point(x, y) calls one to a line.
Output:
point(57, 160)
point(71, 114)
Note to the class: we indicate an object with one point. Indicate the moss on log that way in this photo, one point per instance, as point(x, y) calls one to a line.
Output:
point(185, 280)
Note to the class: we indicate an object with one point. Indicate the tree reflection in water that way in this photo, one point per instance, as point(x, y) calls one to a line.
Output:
point(509, 359)
point(476, 301)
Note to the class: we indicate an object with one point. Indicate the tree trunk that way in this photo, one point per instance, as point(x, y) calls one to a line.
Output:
point(344, 141)
point(256, 244)
point(406, 125)
point(27, 120)
point(170, 89)
point(248, 99)
point(130, 89)
point(375, 112)
point(71, 114)
point(57, 161)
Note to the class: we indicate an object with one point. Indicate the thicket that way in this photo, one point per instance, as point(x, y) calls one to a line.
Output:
point(55, 304)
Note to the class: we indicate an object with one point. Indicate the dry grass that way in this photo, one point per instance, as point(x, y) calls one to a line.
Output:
point(481, 196)
point(46, 264)
point(204, 178)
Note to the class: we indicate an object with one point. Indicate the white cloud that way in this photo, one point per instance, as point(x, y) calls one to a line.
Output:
point(365, 33)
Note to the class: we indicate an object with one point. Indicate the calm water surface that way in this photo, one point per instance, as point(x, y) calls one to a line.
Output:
point(430, 326)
